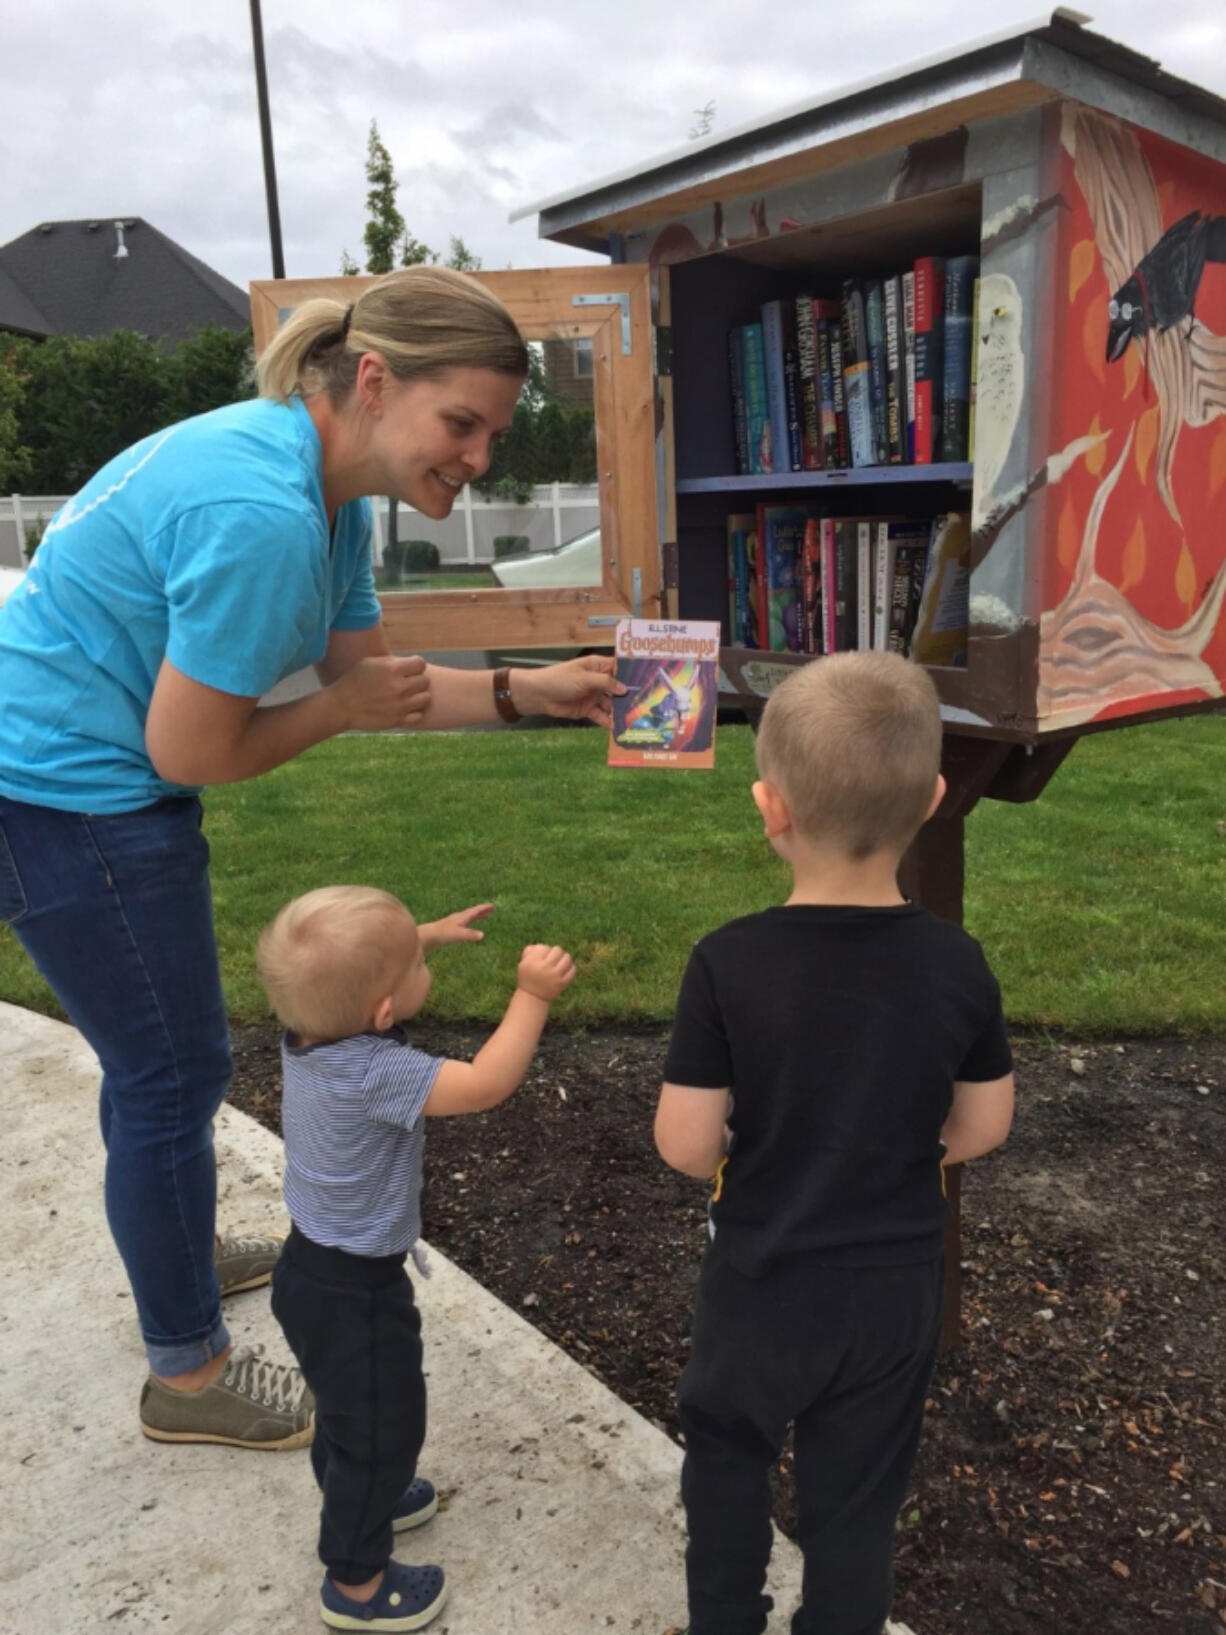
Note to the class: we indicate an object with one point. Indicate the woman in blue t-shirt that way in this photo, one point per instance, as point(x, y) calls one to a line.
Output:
point(190, 575)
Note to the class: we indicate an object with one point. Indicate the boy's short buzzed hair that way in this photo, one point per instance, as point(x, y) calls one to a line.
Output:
point(853, 743)
point(331, 955)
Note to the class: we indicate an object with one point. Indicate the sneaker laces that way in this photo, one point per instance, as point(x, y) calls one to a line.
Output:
point(230, 1243)
point(276, 1385)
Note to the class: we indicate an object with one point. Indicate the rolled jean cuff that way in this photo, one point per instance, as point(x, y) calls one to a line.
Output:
point(186, 1356)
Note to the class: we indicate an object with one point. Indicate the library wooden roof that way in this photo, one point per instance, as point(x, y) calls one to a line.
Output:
point(1056, 57)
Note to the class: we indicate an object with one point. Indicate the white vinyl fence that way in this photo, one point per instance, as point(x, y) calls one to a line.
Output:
point(555, 513)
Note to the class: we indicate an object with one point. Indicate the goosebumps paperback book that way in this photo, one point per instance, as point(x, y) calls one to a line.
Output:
point(666, 717)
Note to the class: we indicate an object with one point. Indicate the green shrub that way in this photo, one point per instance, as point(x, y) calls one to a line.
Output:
point(34, 536)
point(511, 545)
point(420, 556)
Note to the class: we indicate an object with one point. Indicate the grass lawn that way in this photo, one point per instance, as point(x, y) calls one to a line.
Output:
point(412, 582)
point(1101, 905)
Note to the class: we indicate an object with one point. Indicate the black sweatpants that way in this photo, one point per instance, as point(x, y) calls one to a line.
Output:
point(844, 1356)
point(352, 1323)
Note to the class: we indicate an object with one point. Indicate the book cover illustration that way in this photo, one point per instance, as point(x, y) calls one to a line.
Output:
point(743, 580)
point(666, 716)
point(781, 532)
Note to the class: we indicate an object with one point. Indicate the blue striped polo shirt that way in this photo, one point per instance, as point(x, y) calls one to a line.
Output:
point(351, 1115)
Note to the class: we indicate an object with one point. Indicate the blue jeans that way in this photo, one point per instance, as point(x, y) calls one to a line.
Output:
point(117, 914)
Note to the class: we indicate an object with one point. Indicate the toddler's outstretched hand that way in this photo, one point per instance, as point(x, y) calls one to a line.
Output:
point(455, 927)
point(545, 971)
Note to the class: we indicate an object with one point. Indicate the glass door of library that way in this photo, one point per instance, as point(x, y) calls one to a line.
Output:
point(561, 537)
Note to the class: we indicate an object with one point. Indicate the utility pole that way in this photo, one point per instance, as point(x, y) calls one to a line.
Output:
point(270, 168)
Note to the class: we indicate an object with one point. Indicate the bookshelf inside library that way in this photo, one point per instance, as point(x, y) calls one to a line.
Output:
point(711, 295)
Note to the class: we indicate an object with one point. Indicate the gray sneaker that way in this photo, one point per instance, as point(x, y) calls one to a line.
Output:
point(245, 1262)
point(251, 1404)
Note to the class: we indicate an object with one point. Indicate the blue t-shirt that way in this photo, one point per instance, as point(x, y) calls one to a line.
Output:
point(206, 544)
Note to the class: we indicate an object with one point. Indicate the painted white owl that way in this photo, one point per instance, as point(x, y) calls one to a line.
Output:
point(1000, 386)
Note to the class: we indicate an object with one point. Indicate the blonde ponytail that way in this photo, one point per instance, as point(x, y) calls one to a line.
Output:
point(421, 320)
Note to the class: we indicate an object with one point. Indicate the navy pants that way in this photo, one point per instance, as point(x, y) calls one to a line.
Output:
point(117, 915)
point(353, 1325)
point(842, 1355)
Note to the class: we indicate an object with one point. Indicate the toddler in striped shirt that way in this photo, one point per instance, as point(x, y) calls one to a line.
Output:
point(345, 968)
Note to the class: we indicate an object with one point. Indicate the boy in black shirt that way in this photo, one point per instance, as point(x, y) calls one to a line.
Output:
point(854, 1044)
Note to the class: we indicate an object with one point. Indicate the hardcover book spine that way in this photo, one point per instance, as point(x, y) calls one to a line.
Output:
point(812, 457)
point(830, 584)
point(827, 312)
point(874, 323)
point(855, 377)
point(908, 359)
point(895, 386)
point(956, 399)
point(864, 584)
point(839, 392)
point(811, 588)
point(776, 384)
point(757, 415)
point(736, 372)
point(929, 357)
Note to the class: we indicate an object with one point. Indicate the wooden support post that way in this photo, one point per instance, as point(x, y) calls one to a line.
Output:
point(933, 873)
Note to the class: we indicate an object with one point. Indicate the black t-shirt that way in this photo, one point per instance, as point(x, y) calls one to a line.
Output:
point(840, 1032)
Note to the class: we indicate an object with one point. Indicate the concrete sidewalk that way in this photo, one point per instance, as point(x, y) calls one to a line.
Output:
point(562, 1511)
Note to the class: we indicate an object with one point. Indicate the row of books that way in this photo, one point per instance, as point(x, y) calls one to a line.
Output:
point(802, 582)
point(880, 376)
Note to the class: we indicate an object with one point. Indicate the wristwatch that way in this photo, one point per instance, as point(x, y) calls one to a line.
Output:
point(503, 702)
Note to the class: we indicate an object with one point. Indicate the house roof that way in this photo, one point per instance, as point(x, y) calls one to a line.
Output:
point(1022, 67)
point(17, 312)
point(65, 277)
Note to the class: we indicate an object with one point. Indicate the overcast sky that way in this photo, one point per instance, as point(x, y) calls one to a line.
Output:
point(148, 108)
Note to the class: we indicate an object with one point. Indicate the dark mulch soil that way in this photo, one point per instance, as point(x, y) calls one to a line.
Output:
point(1073, 1471)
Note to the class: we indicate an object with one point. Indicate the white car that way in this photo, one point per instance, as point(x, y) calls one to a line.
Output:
point(575, 564)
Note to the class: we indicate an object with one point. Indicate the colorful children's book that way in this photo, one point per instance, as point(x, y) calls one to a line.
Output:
point(666, 716)
point(781, 532)
point(742, 580)
point(758, 446)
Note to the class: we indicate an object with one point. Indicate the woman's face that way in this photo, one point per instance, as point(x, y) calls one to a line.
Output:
point(433, 436)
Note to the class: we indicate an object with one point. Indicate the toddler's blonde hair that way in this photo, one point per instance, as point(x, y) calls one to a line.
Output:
point(331, 955)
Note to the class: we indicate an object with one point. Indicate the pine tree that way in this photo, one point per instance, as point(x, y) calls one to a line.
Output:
point(385, 225)
point(462, 258)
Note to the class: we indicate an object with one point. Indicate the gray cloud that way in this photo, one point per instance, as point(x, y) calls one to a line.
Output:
point(121, 109)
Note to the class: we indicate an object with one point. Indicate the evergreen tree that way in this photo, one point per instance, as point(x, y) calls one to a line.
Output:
point(462, 258)
point(413, 252)
point(385, 225)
